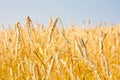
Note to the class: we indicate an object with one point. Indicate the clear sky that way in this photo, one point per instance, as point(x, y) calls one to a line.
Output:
point(75, 11)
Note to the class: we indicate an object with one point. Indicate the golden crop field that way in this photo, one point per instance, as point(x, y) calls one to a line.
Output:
point(38, 52)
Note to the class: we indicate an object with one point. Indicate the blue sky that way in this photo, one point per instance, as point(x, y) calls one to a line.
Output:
point(75, 11)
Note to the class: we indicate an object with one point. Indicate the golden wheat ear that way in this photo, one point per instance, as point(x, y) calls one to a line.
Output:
point(28, 19)
point(52, 29)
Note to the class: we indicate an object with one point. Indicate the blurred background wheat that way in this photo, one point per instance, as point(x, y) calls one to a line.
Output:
point(38, 52)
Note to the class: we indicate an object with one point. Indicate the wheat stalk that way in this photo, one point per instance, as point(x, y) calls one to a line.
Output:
point(63, 31)
point(50, 68)
point(104, 59)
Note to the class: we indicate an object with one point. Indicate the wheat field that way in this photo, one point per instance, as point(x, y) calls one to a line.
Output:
point(38, 52)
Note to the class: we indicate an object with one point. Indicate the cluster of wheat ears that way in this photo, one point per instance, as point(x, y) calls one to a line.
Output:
point(36, 52)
